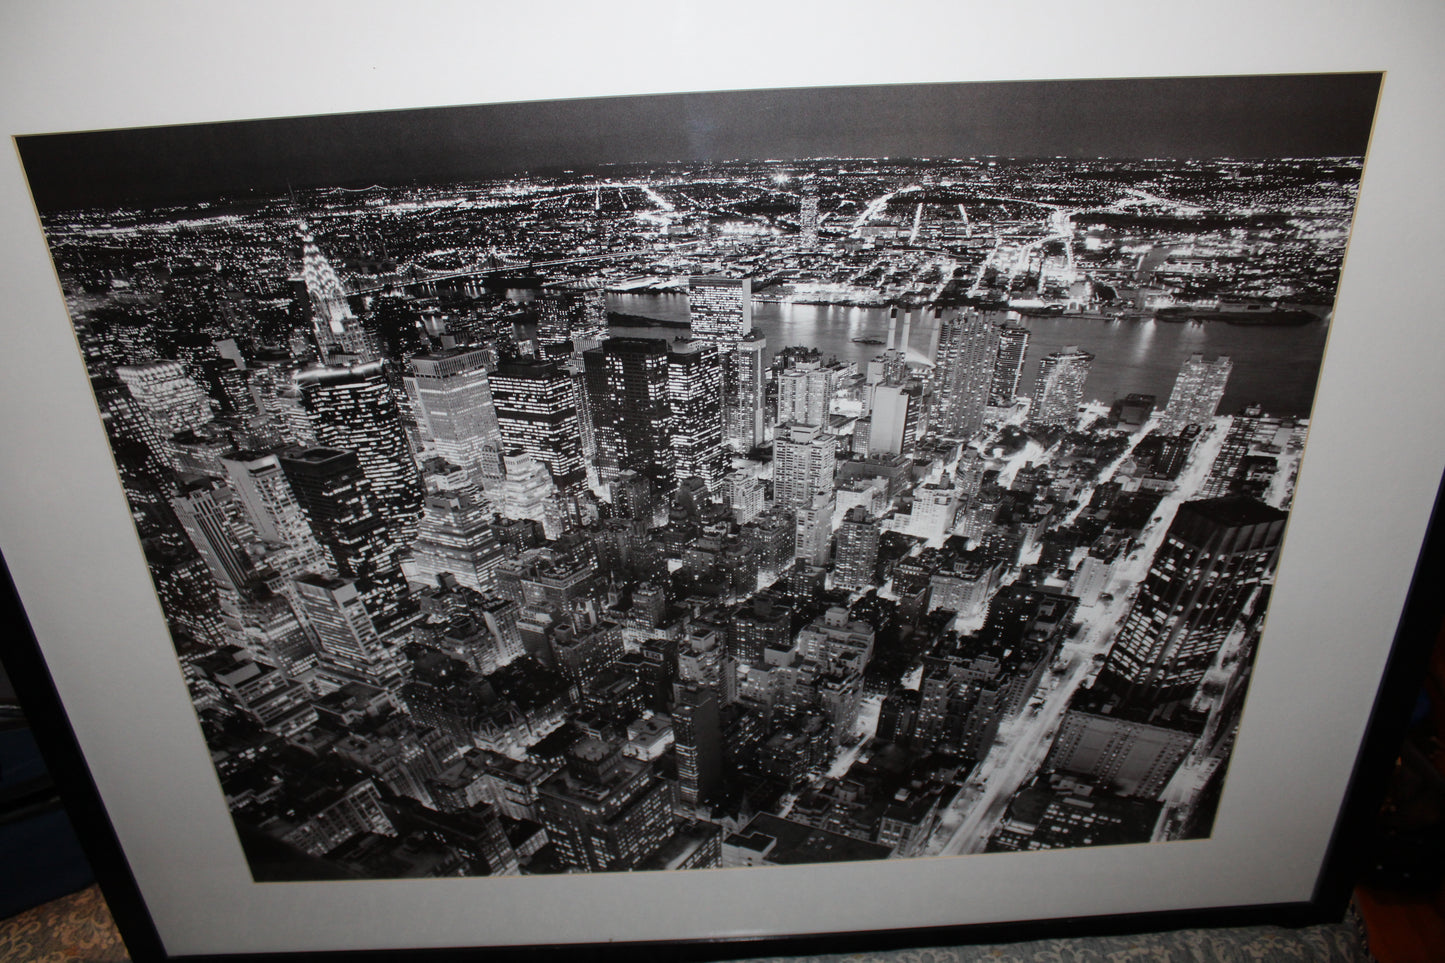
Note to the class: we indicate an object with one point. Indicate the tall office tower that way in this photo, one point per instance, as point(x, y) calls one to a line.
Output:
point(964, 369)
point(694, 391)
point(354, 409)
point(720, 309)
point(857, 551)
point(627, 390)
point(272, 509)
point(808, 220)
point(204, 509)
point(349, 647)
point(594, 415)
point(1216, 555)
point(720, 312)
point(604, 812)
point(229, 386)
point(697, 733)
point(577, 313)
point(537, 413)
point(1196, 395)
point(332, 489)
point(337, 330)
point(792, 390)
point(452, 401)
point(166, 401)
point(745, 392)
point(894, 423)
point(814, 533)
point(586, 421)
point(1008, 370)
point(455, 537)
point(1060, 387)
point(187, 593)
point(804, 461)
point(554, 320)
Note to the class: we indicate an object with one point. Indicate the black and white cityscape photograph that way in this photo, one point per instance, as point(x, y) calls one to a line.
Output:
point(715, 480)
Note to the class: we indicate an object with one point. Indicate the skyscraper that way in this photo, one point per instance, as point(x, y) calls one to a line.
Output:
point(1215, 556)
point(757, 625)
point(697, 733)
point(805, 392)
point(337, 330)
point(604, 812)
point(694, 391)
point(720, 313)
point(628, 382)
point(964, 368)
point(456, 538)
point(349, 646)
point(744, 392)
point(333, 490)
point(204, 509)
point(166, 401)
point(1197, 392)
point(353, 409)
point(720, 309)
point(526, 491)
point(894, 420)
point(452, 400)
point(804, 462)
point(266, 496)
point(808, 220)
point(634, 496)
point(813, 540)
point(857, 551)
point(1060, 387)
point(577, 314)
point(1013, 345)
point(537, 413)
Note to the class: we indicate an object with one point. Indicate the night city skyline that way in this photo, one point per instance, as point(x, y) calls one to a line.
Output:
point(761, 491)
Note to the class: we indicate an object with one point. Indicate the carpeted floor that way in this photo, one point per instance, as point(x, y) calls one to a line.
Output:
point(78, 928)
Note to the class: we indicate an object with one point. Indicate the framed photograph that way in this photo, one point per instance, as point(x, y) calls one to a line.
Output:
point(673, 477)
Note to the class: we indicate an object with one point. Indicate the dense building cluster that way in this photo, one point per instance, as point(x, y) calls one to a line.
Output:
point(461, 585)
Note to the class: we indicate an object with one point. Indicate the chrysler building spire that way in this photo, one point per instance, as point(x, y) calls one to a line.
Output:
point(337, 329)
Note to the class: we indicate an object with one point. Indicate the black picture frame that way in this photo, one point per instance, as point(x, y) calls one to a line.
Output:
point(128, 56)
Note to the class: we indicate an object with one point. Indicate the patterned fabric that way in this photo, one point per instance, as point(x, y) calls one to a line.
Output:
point(1335, 943)
point(78, 929)
point(73, 929)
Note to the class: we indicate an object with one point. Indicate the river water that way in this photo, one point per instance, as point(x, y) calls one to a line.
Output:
point(1276, 367)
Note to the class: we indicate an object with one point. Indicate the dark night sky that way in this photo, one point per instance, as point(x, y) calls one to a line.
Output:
point(1274, 116)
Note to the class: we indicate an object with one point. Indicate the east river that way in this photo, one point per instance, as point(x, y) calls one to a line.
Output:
point(1276, 367)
